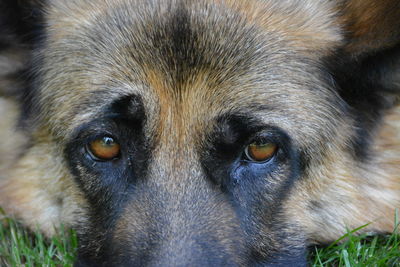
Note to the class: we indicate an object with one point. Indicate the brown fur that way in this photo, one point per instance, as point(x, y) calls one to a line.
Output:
point(370, 25)
point(267, 59)
point(367, 193)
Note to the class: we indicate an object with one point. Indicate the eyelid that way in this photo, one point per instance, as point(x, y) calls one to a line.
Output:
point(97, 135)
point(263, 137)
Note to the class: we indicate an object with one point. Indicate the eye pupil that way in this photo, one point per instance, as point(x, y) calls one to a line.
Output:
point(104, 148)
point(260, 152)
point(107, 141)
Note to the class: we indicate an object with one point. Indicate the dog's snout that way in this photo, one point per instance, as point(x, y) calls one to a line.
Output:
point(199, 228)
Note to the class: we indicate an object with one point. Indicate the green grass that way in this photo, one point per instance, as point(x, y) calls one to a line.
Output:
point(359, 250)
point(20, 247)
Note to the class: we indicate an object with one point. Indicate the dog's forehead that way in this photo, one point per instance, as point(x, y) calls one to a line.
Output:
point(195, 60)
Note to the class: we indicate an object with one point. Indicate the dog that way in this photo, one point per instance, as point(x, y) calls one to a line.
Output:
point(200, 132)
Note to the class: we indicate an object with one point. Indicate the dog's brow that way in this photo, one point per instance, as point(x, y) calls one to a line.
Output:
point(111, 104)
point(129, 105)
point(249, 112)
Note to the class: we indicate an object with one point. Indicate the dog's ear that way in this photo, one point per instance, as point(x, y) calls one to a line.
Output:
point(369, 59)
point(366, 67)
point(20, 24)
point(370, 25)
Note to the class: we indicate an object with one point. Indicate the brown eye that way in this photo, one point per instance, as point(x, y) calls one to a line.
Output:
point(260, 152)
point(104, 148)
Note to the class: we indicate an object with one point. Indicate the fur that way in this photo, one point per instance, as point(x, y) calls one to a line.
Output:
point(185, 86)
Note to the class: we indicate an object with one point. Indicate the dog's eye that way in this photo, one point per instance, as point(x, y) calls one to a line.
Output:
point(260, 152)
point(104, 148)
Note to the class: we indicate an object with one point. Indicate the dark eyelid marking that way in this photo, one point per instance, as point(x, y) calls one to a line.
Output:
point(128, 108)
point(234, 128)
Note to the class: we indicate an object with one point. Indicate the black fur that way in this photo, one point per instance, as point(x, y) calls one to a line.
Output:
point(225, 210)
point(370, 85)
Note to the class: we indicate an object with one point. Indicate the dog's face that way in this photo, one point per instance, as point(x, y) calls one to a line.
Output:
point(182, 127)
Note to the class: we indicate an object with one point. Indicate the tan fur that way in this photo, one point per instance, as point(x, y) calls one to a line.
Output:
point(12, 142)
point(59, 118)
point(342, 196)
point(37, 190)
point(370, 25)
point(335, 193)
point(309, 26)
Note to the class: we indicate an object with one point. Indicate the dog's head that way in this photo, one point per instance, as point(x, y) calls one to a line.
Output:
point(182, 127)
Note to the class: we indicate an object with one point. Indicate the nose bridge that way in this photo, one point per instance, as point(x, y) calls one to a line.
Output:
point(176, 171)
point(176, 213)
point(194, 221)
point(175, 159)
